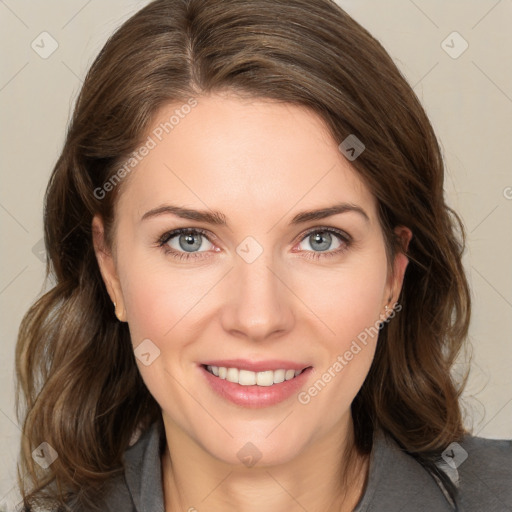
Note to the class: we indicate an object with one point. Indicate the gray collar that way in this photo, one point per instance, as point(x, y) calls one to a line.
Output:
point(143, 470)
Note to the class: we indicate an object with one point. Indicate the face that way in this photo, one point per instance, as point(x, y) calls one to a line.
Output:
point(263, 290)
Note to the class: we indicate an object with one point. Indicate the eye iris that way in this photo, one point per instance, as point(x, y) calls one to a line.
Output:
point(326, 236)
point(189, 242)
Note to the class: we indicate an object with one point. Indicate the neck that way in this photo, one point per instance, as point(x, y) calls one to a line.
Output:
point(327, 476)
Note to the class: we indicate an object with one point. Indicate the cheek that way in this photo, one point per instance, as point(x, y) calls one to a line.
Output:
point(349, 303)
point(156, 300)
point(348, 299)
point(360, 303)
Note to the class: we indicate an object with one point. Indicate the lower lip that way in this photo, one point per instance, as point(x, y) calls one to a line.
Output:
point(255, 396)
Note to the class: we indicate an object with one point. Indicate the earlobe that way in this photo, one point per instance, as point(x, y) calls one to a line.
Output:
point(107, 267)
point(120, 315)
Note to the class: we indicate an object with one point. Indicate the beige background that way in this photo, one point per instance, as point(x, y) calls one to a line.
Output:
point(469, 100)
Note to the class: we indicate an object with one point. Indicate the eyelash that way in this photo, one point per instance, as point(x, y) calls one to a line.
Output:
point(344, 238)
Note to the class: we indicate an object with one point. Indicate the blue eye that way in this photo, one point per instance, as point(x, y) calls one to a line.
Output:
point(190, 240)
point(321, 239)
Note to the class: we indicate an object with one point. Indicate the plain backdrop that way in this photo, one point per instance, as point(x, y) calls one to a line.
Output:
point(463, 79)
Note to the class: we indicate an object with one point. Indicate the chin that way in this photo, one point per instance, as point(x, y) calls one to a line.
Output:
point(254, 449)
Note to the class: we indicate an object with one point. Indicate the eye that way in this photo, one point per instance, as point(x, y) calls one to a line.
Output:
point(184, 243)
point(321, 239)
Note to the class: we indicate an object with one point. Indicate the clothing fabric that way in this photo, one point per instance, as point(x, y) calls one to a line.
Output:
point(480, 468)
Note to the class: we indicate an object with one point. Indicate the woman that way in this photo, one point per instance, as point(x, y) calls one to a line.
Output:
point(258, 289)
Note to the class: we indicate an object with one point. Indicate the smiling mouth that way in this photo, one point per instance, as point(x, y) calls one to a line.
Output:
point(248, 378)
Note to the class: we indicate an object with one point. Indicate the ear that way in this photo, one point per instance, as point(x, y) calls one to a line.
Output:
point(399, 266)
point(107, 267)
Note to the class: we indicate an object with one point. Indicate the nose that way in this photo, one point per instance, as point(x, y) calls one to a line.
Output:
point(259, 304)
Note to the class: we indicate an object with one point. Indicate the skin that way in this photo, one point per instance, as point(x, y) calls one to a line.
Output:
point(259, 163)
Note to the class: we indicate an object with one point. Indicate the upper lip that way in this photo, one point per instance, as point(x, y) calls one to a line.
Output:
point(257, 366)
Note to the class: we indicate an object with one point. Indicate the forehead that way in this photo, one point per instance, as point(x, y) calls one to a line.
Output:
point(243, 157)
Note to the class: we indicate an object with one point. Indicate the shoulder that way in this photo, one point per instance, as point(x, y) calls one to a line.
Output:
point(138, 486)
point(480, 469)
point(397, 481)
point(484, 469)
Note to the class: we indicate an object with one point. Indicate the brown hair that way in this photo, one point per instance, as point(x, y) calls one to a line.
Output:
point(75, 365)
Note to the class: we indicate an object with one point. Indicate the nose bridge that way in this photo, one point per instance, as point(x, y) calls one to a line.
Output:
point(258, 303)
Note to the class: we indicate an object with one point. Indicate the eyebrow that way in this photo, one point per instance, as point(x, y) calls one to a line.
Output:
point(219, 219)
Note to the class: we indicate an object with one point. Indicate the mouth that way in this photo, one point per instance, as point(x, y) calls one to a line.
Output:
point(243, 377)
point(252, 384)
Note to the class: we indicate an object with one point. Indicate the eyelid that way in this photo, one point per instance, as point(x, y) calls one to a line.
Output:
point(343, 234)
point(165, 237)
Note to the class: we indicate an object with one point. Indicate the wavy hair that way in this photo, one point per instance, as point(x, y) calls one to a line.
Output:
point(78, 385)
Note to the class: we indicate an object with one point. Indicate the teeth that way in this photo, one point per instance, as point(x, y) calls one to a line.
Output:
point(232, 374)
point(245, 378)
point(248, 378)
point(264, 378)
point(279, 376)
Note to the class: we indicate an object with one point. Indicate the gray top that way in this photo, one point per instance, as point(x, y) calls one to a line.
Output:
point(480, 468)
